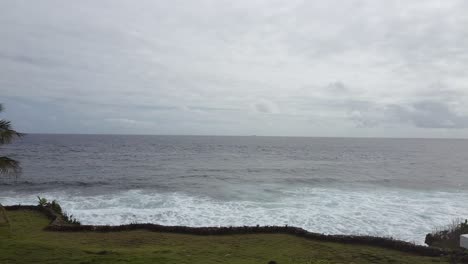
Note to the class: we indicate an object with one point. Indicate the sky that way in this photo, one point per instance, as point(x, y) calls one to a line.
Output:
point(254, 67)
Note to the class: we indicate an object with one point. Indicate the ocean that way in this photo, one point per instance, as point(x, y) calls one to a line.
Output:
point(401, 188)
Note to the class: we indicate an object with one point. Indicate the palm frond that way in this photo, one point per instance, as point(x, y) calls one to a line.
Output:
point(7, 134)
point(9, 166)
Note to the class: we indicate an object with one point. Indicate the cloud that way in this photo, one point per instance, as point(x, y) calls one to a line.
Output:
point(266, 106)
point(337, 88)
point(124, 121)
point(209, 109)
point(430, 114)
point(422, 114)
point(246, 67)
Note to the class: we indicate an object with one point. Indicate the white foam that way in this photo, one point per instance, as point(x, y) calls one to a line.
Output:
point(402, 214)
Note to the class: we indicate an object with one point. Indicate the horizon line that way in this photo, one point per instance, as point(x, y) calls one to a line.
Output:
point(253, 135)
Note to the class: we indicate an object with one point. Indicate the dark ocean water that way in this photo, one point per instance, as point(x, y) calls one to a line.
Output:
point(390, 187)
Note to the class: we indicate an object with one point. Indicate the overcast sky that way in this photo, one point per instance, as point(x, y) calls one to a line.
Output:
point(289, 68)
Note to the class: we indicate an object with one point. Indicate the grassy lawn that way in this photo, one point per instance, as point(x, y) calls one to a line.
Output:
point(24, 241)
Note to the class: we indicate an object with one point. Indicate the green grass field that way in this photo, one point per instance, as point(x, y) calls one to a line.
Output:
point(24, 241)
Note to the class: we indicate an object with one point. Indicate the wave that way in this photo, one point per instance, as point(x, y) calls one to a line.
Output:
point(54, 183)
point(403, 214)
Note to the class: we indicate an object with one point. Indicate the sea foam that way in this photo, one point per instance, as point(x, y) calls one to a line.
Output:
point(399, 213)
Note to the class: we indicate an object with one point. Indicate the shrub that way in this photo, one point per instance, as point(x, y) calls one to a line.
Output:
point(42, 201)
point(57, 209)
point(448, 236)
point(69, 219)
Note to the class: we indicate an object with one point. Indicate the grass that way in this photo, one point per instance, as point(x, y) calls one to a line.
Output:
point(25, 241)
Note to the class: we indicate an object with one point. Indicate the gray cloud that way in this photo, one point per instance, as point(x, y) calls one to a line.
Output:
point(421, 114)
point(430, 114)
point(266, 106)
point(337, 88)
point(308, 68)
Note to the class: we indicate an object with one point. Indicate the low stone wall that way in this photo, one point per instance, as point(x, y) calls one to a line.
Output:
point(57, 225)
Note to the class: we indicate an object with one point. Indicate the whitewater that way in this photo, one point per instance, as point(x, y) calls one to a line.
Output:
point(401, 214)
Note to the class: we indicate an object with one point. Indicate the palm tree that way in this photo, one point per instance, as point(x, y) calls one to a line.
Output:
point(7, 134)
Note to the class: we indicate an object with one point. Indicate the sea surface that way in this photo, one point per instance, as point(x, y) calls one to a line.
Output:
point(401, 188)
